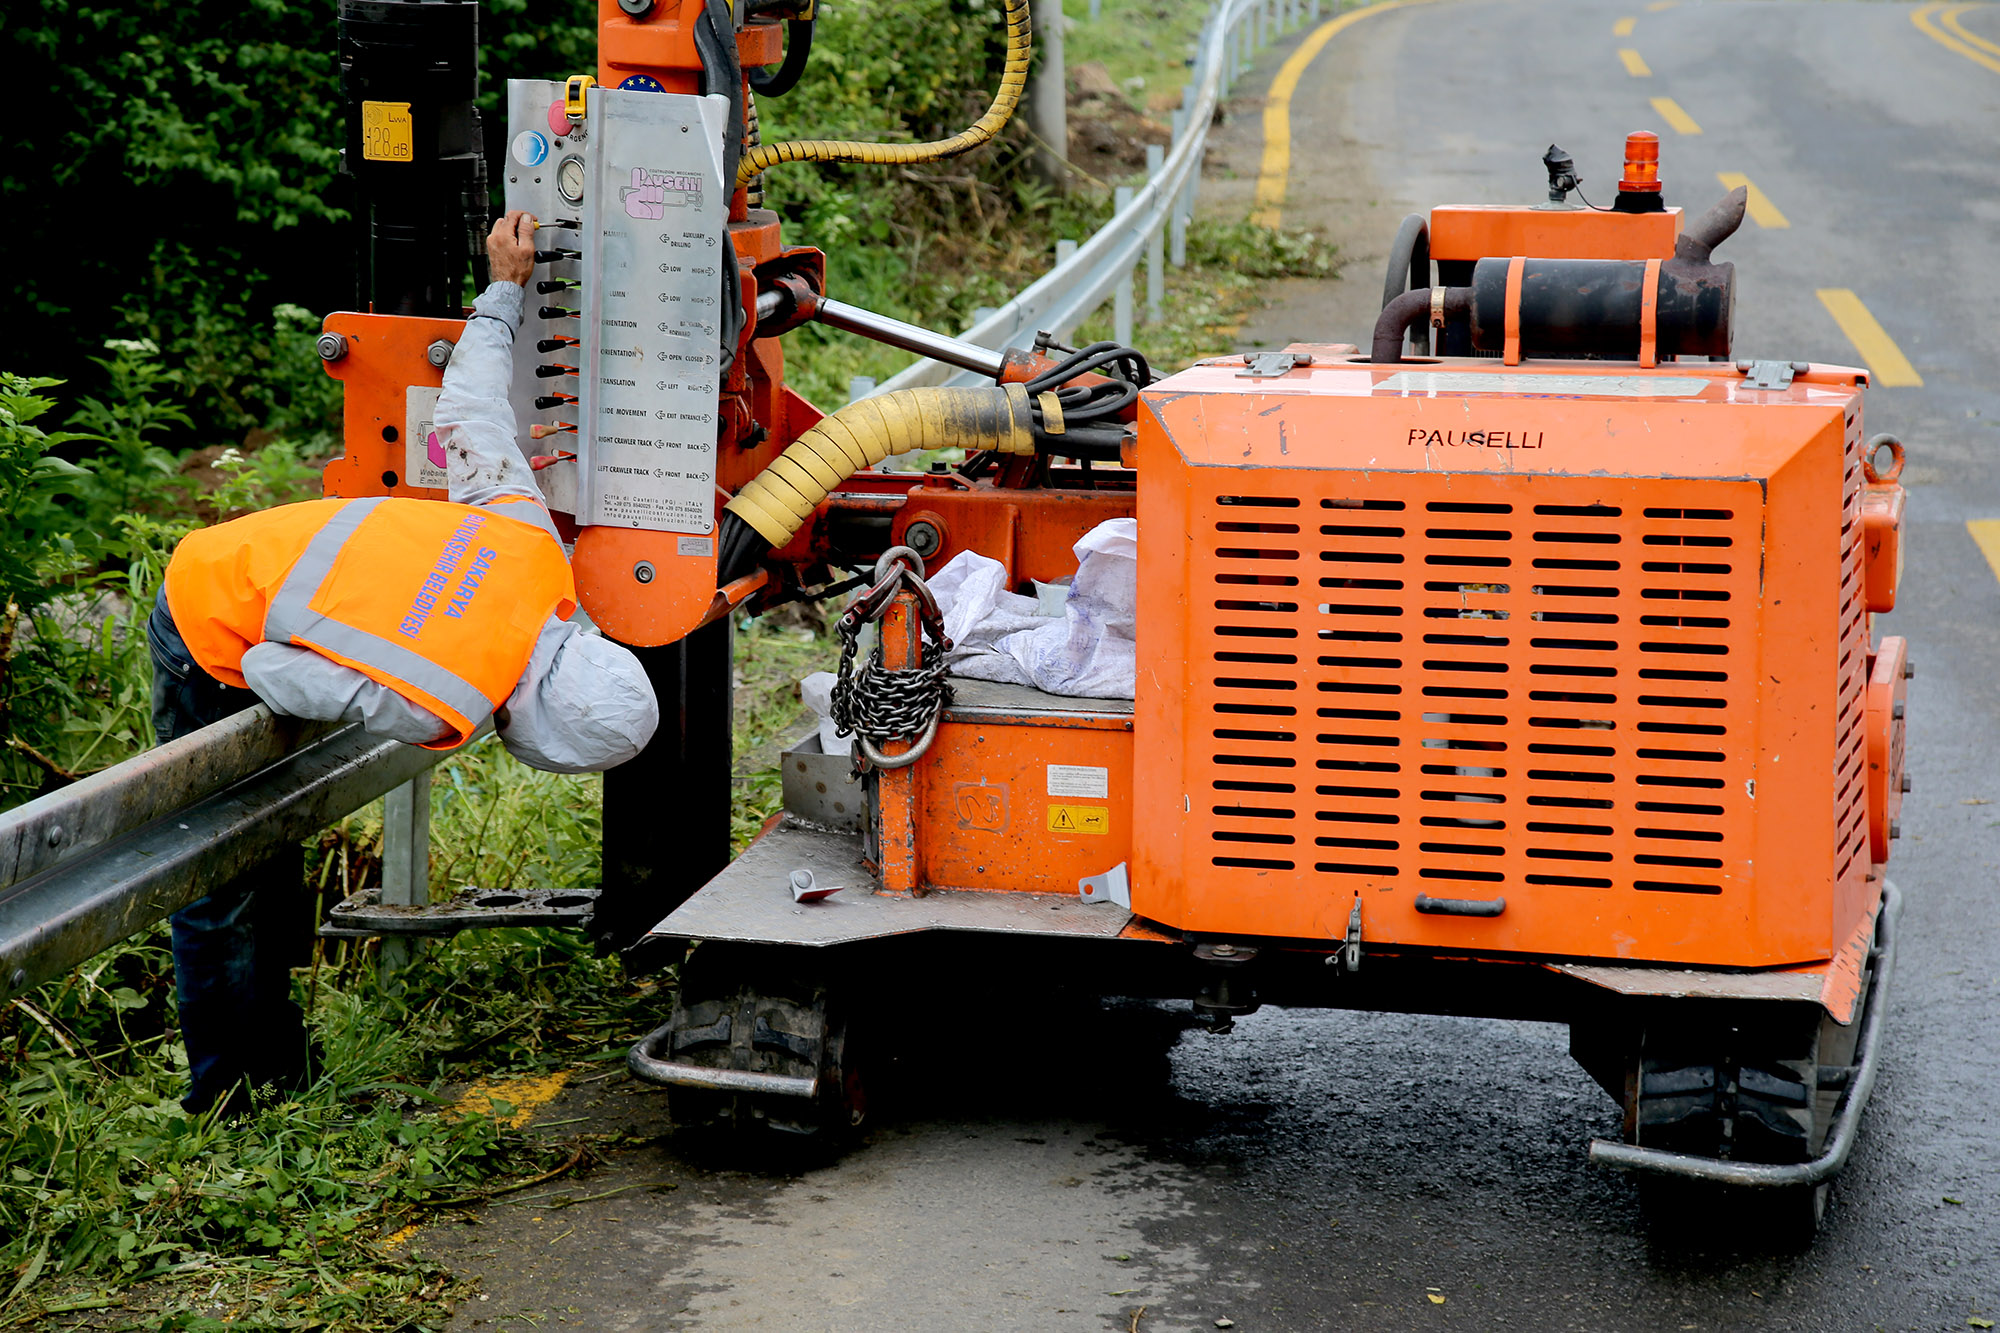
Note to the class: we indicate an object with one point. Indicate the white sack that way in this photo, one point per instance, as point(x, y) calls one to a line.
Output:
point(1086, 653)
point(816, 691)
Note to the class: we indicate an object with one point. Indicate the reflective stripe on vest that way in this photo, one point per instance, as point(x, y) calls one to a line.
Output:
point(524, 510)
point(290, 615)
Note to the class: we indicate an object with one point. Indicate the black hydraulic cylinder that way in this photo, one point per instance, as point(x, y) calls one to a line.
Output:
point(666, 812)
point(409, 71)
point(1592, 307)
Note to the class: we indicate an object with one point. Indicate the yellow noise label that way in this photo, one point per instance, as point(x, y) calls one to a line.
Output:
point(1079, 819)
point(386, 132)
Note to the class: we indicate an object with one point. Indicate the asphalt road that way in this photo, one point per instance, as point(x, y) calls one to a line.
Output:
point(1337, 1171)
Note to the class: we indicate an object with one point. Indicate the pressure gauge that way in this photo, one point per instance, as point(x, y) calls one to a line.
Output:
point(569, 179)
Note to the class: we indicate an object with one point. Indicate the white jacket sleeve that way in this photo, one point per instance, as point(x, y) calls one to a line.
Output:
point(475, 422)
point(298, 682)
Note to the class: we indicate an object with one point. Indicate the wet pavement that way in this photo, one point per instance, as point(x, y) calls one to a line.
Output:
point(1078, 1170)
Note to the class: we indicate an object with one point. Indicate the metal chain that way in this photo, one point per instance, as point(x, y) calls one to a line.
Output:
point(877, 705)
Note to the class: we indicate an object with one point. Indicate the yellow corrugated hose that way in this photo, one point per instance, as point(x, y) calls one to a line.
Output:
point(1020, 43)
point(778, 500)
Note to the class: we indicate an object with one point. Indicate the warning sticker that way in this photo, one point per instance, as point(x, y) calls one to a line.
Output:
point(387, 134)
point(1079, 780)
point(1079, 818)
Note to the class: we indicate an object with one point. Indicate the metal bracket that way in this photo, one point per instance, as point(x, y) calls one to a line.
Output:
point(1771, 374)
point(365, 913)
point(1350, 955)
point(1272, 365)
point(1110, 887)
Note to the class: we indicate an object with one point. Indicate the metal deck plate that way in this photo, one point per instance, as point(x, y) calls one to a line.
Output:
point(751, 901)
point(977, 700)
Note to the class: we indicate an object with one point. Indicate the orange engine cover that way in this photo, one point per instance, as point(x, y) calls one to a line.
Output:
point(1578, 646)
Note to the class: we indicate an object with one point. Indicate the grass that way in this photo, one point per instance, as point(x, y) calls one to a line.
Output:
point(1151, 41)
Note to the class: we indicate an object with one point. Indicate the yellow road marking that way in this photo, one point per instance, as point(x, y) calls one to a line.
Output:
point(1950, 20)
point(525, 1095)
point(1633, 64)
point(1762, 211)
point(1667, 109)
point(1661, 6)
point(1986, 532)
point(1921, 16)
point(1886, 363)
point(1623, 27)
point(1274, 175)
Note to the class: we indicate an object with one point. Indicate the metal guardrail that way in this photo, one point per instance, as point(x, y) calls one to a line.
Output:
point(83, 867)
point(1102, 267)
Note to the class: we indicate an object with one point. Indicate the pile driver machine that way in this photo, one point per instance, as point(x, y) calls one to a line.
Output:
point(1535, 678)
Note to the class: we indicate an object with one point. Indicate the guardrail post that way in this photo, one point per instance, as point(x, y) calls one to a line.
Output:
point(859, 387)
point(1313, 9)
point(1048, 96)
point(406, 867)
point(1156, 244)
point(1096, 10)
point(1064, 249)
point(1121, 300)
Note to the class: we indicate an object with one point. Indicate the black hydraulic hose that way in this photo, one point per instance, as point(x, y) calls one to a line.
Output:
point(722, 72)
point(1699, 239)
point(1410, 270)
point(1408, 309)
point(798, 49)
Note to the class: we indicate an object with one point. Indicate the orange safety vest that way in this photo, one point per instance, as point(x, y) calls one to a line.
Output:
point(441, 603)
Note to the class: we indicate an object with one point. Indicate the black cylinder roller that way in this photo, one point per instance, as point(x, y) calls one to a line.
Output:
point(1592, 307)
point(409, 71)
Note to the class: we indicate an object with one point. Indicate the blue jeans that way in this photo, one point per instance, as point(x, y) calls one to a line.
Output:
point(234, 949)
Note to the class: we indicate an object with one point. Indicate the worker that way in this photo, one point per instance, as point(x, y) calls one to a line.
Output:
point(419, 619)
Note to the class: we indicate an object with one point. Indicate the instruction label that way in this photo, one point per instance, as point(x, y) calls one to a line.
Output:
point(423, 456)
point(654, 222)
point(1094, 819)
point(1079, 780)
point(1528, 384)
point(386, 132)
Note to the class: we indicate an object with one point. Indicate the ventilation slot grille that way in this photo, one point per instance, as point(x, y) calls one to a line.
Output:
point(1470, 697)
point(1850, 800)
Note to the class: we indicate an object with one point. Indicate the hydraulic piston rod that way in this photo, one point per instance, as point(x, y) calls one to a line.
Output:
point(923, 342)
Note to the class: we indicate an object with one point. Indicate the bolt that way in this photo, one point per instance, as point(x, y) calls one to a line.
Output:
point(1224, 951)
point(332, 346)
point(438, 353)
point(643, 571)
point(923, 538)
point(19, 981)
point(1906, 782)
point(55, 835)
point(638, 9)
point(1909, 670)
point(1895, 828)
point(1896, 710)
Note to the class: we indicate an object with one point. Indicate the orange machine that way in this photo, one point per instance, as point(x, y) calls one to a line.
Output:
point(1533, 681)
point(1536, 679)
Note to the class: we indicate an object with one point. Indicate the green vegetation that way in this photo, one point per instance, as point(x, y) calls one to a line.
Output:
point(194, 395)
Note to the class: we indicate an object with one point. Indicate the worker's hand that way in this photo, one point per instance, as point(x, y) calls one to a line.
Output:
point(510, 248)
